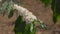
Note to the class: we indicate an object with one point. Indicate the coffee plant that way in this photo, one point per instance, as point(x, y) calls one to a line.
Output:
point(25, 22)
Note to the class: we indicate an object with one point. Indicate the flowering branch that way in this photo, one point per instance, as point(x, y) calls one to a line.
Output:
point(22, 26)
point(27, 15)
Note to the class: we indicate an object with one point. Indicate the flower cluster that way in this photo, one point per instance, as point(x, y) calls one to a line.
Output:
point(27, 15)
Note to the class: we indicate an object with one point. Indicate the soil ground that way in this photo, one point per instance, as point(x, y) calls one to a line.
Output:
point(38, 9)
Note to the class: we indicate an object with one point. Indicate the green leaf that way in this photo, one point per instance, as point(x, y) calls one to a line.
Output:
point(4, 7)
point(27, 29)
point(10, 8)
point(42, 24)
point(35, 29)
point(55, 14)
point(58, 7)
point(19, 25)
point(10, 14)
point(22, 28)
point(31, 27)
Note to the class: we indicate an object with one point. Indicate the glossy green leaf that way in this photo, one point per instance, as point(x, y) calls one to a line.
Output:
point(19, 25)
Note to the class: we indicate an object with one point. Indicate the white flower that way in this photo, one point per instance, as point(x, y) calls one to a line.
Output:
point(28, 16)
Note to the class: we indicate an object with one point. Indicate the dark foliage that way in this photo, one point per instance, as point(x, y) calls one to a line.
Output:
point(19, 25)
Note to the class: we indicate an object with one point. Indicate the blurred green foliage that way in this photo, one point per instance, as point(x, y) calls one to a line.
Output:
point(55, 14)
point(46, 2)
point(55, 7)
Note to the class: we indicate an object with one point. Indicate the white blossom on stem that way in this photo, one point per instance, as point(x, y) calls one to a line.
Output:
point(27, 15)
